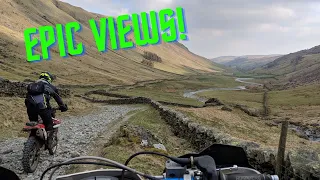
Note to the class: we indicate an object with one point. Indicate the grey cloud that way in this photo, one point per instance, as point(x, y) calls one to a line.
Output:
point(251, 27)
point(237, 27)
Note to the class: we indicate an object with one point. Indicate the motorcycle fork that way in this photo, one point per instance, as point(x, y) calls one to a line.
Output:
point(55, 133)
point(34, 133)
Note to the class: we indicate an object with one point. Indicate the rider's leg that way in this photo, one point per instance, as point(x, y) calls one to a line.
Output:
point(45, 115)
point(47, 121)
point(32, 111)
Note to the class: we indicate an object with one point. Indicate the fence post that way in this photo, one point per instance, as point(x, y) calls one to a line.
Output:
point(265, 103)
point(282, 148)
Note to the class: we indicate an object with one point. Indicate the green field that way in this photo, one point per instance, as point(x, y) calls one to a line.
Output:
point(256, 76)
point(301, 104)
point(172, 91)
point(251, 99)
point(304, 95)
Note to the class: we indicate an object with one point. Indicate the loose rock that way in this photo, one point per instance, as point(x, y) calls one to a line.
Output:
point(7, 151)
point(160, 146)
point(75, 154)
point(213, 102)
point(226, 108)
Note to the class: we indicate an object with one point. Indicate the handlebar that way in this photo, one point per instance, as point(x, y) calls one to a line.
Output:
point(250, 177)
point(53, 111)
point(116, 175)
point(176, 168)
point(58, 108)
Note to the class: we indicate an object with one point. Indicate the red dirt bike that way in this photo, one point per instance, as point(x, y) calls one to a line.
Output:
point(38, 138)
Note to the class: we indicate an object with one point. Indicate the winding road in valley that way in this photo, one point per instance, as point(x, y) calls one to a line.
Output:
point(193, 94)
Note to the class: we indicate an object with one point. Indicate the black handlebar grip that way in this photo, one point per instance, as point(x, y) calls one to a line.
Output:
point(251, 177)
point(207, 165)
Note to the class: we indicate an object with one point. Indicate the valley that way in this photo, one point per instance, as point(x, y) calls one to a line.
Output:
point(246, 62)
point(261, 130)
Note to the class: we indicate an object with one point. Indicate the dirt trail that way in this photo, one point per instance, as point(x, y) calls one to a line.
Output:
point(76, 134)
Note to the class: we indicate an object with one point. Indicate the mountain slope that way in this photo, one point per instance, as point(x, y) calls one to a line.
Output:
point(299, 67)
point(247, 62)
point(111, 67)
point(223, 59)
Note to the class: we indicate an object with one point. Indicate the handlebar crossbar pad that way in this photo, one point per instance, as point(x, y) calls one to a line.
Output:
point(251, 177)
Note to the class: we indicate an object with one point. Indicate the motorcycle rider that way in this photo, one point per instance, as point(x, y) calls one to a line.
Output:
point(37, 102)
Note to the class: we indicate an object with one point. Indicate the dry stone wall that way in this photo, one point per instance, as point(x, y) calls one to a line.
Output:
point(123, 99)
point(18, 89)
point(261, 158)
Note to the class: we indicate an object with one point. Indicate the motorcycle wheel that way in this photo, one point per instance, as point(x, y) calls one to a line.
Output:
point(31, 155)
point(54, 148)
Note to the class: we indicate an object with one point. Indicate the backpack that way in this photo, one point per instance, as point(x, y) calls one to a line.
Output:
point(35, 88)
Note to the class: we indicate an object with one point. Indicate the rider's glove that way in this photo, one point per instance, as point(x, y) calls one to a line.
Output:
point(64, 108)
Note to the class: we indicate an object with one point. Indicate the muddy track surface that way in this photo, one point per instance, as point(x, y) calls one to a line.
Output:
point(76, 135)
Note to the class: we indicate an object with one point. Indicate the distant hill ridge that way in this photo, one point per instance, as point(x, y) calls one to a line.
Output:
point(246, 62)
point(299, 67)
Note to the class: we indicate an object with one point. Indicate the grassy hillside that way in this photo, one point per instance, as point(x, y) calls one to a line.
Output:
point(112, 67)
point(247, 62)
point(300, 67)
point(241, 126)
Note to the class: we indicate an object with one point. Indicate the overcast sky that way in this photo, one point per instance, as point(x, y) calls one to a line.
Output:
point(232, 27)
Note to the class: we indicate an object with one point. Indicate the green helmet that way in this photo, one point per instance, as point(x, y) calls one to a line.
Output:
point(47, 76)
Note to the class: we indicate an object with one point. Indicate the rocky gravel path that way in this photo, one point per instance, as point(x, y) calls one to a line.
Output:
point(75, 136)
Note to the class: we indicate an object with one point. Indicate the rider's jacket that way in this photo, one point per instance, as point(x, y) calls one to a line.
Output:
point(42, 100)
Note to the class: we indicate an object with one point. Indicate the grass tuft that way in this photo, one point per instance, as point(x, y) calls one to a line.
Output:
point(122, 147)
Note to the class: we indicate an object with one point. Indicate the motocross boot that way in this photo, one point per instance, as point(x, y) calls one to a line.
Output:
point(50, 139)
